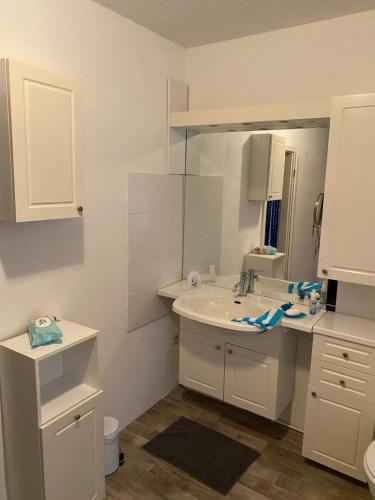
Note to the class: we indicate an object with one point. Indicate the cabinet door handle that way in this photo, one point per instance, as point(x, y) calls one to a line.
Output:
point(80, 210)
point(342, 383)
point(230, 351)
point(325, 271)
point(313, 394)
point(77, 417)
point(345, 355)
point(218, 347)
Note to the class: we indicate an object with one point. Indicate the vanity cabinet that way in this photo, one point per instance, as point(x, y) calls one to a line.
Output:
point(41, 171)
point(348, 240)
point(53, 417)
point(340, 411)
point(250, 371)
point(267, 162)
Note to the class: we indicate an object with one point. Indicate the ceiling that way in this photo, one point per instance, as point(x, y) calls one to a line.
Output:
point(197, 22)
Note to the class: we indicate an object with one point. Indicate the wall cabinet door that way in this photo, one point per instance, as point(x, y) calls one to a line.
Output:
point(40, 144)
point(267, 163)
point(251, 381)
point(73, 454)
point(202, 364)
point(348, 238)
point(337, 431)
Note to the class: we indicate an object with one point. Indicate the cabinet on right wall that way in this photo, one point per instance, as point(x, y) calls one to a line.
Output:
point(348, 239)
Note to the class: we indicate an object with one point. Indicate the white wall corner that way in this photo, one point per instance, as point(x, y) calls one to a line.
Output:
point(177, 100)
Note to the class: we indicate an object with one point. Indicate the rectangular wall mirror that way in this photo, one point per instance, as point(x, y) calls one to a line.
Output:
point(255, 189)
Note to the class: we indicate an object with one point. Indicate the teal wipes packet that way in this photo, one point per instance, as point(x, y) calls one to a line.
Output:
point(43, 331)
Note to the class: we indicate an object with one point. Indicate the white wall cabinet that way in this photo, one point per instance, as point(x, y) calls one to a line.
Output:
point(348, 240)
point(41, 171)
point(267, 163)
point(254, 372)
point(340, 412)
point(53, 417)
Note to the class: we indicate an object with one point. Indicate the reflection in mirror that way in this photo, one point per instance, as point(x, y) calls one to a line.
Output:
point(249, 193)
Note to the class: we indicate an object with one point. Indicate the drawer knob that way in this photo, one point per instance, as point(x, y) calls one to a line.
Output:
point(218, 347)
point(313, 394)
point(77, 417)
point(230, 351)
point(342, 383)
point(345, 355)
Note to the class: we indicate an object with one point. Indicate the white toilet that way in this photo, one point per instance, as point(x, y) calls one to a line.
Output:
point(369, 466)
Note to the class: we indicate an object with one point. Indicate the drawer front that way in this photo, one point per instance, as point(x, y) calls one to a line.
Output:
point(343, 380)
point(346, 354)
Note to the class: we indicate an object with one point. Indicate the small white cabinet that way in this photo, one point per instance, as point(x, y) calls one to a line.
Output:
point(267, 163)
point(348, 240)
point(52, 417)
point(340, 411)
point(253, 372)
point(41, 174)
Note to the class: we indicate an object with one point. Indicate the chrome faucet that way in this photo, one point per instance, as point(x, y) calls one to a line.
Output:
point(246, 284)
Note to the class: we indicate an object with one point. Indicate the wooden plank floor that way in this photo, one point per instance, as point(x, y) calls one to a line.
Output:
point(280, 473)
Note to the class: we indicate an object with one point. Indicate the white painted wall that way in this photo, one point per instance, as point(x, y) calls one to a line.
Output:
point(77, 269)
point(314, 61)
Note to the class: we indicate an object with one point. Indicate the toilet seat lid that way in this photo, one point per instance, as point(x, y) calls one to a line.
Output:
point(369, 460)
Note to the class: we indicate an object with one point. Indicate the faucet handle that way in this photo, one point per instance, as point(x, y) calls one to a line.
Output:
point(235, 288)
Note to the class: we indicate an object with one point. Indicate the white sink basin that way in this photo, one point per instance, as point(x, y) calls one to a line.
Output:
point(217, 307)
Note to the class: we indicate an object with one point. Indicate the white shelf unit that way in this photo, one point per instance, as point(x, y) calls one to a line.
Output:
point(51, 402)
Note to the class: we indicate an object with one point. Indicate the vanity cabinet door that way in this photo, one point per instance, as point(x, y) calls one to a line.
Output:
point(348, 239)
point(276, 168)
point(337, 430)
point(40, 144)
point(73, 454)
point(251, 381)
point(202, 364)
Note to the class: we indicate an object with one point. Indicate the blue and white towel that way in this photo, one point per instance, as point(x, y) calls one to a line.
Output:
point(303, 288)
point(267, 320)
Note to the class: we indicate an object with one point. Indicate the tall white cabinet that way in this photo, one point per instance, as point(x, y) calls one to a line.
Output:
point(53, 417)
point(41, 171)
point(348, 239)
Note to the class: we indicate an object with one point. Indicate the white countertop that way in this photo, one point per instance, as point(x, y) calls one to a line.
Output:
point(341, 326)
point(305, 324)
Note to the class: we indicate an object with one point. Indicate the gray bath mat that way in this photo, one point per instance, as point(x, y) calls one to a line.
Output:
point(206, 455)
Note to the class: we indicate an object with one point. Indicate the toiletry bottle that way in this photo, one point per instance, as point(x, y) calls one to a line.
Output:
point(212, 275)
point(312, 302)
point(323, 292)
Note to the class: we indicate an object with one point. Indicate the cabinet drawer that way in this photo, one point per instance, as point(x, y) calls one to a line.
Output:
point(346, 354)
point(336, 378)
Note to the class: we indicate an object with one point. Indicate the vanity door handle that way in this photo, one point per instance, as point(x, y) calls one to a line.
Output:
point(77, 417)
point(342, 383)
point(313, 394)
point(218, 347)
point(230, 351)
point(345, 355)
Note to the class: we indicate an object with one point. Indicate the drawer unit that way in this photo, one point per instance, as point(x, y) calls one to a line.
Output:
point(343, 380)
point(346, 354)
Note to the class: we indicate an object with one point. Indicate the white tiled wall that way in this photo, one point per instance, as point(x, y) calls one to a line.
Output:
point(155, 232)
